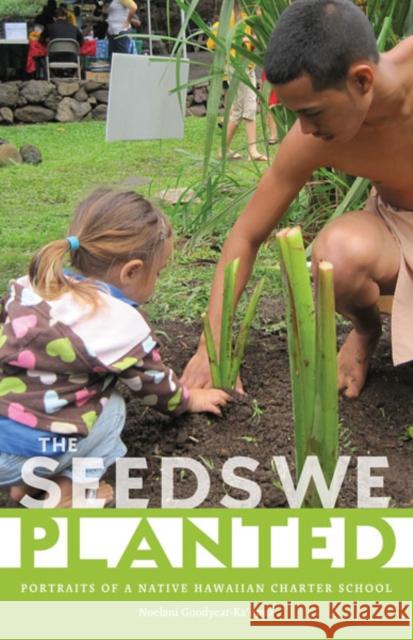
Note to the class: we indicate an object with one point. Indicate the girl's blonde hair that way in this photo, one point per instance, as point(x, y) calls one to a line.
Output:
point(112, 227)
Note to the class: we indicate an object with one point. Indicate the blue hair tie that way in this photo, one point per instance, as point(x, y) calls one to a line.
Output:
point(74, 242)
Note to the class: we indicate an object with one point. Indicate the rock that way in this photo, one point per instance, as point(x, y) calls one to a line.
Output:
point(37, 91)
point(9, 94)
point(200, 95)
point(81, 95)
point(6, 115)
point(52, 101)
point(99, 112)
point(92, 85)
point(69, 110)
point(33, 113)
point(66, 89)
point(30, 154)
point(135, 181)
point(198, 110)
point(182, 195)
point(101, 96)
point(189, 99)
point(9, 154)
point(92, 101)
point(21, 102)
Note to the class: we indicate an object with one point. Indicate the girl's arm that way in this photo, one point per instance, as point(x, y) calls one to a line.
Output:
point(158, 386)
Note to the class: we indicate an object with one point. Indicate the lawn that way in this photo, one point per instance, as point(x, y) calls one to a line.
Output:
point(37, 202)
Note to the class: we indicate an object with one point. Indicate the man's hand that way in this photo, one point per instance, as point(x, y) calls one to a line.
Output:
point(197, 374)
point(207, 400)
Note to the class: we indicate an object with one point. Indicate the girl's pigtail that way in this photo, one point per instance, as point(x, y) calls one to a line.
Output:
point(47, 277)
point(46, 270)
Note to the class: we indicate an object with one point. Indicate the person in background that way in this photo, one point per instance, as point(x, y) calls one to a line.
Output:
point(78, 16)
point(70, 16)
point(272, 104)
point(60, 28)
point(100, 25)
point(244, 106)
point(48, 14)
point(119, 16)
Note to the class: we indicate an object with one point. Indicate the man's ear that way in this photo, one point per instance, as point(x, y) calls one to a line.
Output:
point(361, 76)
point(130, 270)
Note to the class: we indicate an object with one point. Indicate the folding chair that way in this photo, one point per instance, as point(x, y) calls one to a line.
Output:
point(63, 46)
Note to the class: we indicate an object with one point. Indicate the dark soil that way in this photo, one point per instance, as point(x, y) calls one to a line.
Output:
point(260, 425)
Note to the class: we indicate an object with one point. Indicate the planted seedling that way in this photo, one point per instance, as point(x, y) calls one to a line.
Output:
point(312, 354)
point(225, 366)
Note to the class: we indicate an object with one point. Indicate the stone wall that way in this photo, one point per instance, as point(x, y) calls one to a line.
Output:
point(69, 100)
point(58, 100)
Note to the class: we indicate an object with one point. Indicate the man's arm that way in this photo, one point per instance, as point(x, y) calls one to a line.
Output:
point(133, 7)
point(296, 160)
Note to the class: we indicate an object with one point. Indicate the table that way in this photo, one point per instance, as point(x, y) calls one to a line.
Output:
point(39, 50)
point(6, 46)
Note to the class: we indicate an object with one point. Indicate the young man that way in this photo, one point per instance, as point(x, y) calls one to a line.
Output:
point(355, 113)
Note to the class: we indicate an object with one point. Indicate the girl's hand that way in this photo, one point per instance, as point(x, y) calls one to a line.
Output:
point(207, 400)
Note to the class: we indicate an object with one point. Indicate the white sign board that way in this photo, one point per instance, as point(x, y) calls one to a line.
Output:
point(15, 30)
point(141, 103)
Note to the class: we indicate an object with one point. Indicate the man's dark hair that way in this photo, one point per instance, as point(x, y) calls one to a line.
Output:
point(61, 12)
point(321, 38)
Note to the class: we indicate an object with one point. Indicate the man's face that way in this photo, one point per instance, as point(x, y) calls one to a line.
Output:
point(331, 114)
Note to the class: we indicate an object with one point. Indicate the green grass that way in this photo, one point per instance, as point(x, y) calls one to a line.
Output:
point(37, 202)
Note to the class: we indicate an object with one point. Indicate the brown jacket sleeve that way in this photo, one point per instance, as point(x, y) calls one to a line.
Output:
point(156, 384)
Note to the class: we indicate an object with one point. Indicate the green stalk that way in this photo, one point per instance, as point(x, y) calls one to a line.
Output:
point(230, 275)
point(242, 338)
point(212, 354)
point(324, 440)
point(301, 335)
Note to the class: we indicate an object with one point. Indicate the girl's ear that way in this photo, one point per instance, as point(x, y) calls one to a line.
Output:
point(130, 270)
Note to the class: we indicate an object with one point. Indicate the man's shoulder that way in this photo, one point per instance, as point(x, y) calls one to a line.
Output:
point(299, 148)
point(402, 52)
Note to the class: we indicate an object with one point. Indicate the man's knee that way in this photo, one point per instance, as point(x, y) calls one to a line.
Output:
point(350, 255)
point(346, 249)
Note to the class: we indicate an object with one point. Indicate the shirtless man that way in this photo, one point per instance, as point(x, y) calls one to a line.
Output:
point(355, 113)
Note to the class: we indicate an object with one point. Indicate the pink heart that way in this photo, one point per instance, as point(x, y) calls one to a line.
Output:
point(82, 396)
point(18, 413)
point(22, 325)
point(156, 356)
point(25, 360)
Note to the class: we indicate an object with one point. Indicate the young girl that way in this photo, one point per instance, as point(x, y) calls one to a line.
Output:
point(68, 336)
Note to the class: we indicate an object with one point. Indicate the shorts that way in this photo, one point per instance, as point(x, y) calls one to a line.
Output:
point(244, 106)
point(400, 224)
point(103, 442)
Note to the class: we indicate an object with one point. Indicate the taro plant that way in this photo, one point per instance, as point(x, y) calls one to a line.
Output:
point(225, 363)
point(312, 353)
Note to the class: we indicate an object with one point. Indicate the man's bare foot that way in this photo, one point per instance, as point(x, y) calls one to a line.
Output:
point(354, 359)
